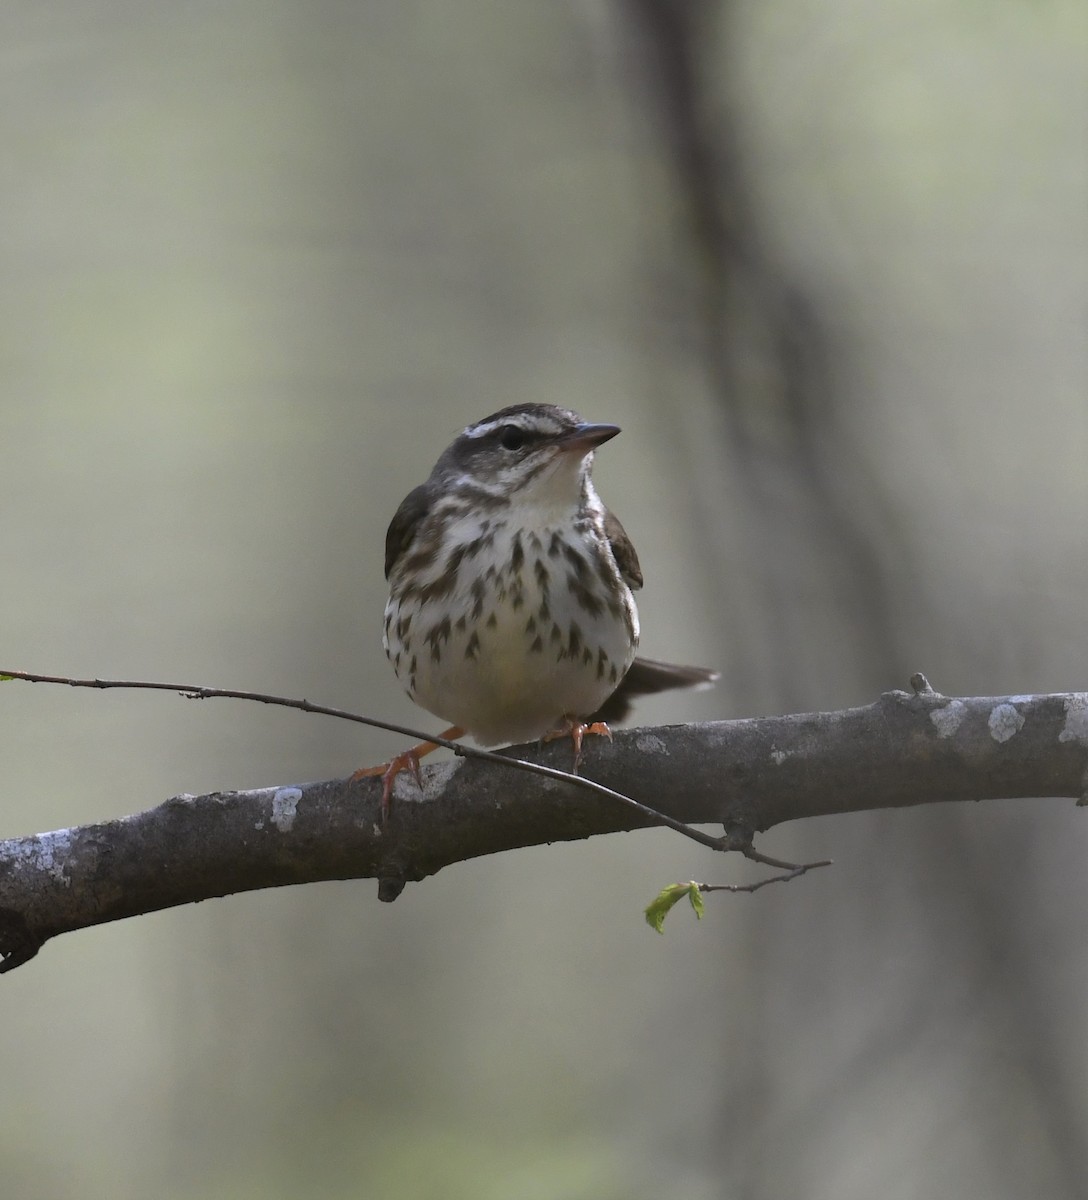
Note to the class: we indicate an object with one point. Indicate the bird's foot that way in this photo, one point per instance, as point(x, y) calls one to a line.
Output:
point(577, 731)
point(407, 760)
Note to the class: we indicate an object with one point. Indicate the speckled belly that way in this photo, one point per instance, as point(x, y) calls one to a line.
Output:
point(506, 648)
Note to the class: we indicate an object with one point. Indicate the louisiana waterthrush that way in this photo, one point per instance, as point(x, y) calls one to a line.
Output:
point(510, 610)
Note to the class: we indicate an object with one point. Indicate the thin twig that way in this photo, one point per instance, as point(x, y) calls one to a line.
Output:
point(797, 868)
point(196, 692)
point(794, 870)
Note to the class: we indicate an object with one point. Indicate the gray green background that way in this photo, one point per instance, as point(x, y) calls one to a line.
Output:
point(259, 263)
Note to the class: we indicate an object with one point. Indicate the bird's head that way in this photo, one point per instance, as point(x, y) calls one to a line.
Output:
point(528, 454)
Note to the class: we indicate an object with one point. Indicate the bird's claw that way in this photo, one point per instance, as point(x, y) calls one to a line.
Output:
point(577, 731)
point(408, 760)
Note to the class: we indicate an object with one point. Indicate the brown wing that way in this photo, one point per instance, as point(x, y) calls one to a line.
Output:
point(622, 551)
point(645, 678)
point(402, 529)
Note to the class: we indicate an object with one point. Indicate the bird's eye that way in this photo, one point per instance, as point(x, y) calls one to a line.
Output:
point(511, 437)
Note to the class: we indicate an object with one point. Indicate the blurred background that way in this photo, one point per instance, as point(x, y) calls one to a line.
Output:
point(826, 265)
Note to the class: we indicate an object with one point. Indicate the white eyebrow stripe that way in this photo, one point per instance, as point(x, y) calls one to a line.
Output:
point(529, 422)
point(475, 431)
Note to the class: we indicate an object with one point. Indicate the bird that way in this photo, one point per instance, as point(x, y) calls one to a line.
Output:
point(511, 611)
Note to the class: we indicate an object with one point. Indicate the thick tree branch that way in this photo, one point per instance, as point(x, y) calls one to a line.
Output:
point(906, 749)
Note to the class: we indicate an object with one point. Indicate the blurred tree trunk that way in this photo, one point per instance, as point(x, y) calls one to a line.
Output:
point(767, 364)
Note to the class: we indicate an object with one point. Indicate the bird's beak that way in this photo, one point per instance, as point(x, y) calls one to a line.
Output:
point(586, 437)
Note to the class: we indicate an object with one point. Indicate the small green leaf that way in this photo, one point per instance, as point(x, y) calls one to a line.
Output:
point(5, 678)
point(658, 908)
